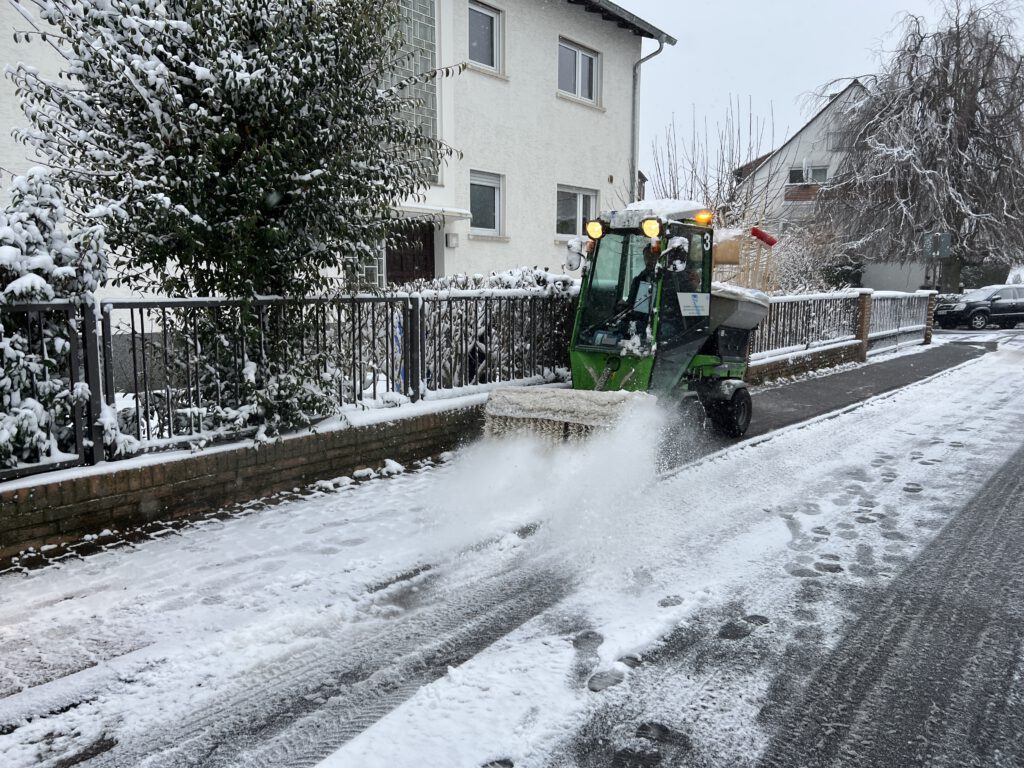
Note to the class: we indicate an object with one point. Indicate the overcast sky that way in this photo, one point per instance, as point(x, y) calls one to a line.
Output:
point(772, 54)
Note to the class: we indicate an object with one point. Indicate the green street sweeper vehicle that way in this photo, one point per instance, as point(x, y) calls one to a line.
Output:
point(649, 321)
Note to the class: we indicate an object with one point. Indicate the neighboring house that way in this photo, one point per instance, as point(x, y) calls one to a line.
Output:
point(782, 187)
point(543, 118)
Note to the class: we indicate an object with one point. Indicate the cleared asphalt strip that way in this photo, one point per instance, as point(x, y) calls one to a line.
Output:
point(803, 400)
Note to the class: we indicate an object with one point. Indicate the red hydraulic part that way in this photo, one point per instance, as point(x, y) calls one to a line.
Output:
point(763, 236)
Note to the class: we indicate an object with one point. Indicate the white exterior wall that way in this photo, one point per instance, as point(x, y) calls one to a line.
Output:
point(15, 158)
point(517, 125)
point(896, 277)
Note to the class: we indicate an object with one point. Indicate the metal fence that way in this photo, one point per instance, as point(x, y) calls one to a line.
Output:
point(167, 372)
point(803, 322)
point(812, 322)
point(192, 371)
point(199, 367)
point(897, 318)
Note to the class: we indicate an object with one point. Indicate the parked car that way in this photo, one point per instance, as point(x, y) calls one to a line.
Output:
point(1001, 305)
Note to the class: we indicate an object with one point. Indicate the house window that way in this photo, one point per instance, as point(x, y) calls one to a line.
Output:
point(818, 175)
point(484, 35)
point(485, 203)
point(577, 71)
point(575, 207)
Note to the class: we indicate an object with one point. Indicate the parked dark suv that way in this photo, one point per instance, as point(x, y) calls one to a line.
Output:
point(1002, 305)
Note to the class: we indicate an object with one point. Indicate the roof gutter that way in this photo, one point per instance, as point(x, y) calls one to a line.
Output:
point(634, 159)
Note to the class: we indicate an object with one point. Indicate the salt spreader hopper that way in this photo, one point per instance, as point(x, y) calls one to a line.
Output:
point(649, 321)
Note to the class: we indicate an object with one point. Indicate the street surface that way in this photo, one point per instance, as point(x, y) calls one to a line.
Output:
point(842, 592)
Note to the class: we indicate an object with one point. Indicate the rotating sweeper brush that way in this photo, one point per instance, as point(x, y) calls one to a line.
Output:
point(556, 415)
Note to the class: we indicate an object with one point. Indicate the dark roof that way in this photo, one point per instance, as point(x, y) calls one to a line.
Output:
point(611, 12)
point(748, 168)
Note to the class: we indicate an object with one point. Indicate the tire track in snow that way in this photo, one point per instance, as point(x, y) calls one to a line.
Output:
point(931, 674)
point(299, 710)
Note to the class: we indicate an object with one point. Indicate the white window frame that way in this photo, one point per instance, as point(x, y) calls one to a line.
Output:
point(498, 36)
point(497, 182)
point(808, 175)
point(580, 193)
point(580, 52)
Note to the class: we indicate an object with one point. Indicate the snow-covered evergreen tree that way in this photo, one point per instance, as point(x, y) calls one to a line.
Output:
point(935, 146)
point(41, 258)
point(235, 147)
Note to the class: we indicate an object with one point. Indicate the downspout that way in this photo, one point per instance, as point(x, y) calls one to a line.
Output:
point(634, 160)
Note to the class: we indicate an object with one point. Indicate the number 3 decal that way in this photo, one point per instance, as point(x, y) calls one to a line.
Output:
point(707, 241)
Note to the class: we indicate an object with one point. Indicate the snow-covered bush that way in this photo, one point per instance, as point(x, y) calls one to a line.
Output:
point(41, 258)
point(524, 278)
point(805, 261)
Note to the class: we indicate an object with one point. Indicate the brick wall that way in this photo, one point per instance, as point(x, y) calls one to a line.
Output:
point(802, 363)
point(59, 513)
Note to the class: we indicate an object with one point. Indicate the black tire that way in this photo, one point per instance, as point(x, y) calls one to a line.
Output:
point(978, 321)
point(732, 417)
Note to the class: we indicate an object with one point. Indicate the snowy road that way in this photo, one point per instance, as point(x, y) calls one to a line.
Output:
point(518, 607)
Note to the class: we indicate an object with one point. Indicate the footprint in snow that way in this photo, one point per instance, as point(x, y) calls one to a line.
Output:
point(606, 678)
point(737, 629)
point(828, 567)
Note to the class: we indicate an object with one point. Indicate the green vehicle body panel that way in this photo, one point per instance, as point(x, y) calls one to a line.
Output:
point(632, 374)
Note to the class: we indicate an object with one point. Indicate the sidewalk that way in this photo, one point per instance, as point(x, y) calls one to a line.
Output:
point(802, 400)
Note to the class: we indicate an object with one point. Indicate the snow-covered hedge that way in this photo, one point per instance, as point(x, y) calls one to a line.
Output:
point(521, 278)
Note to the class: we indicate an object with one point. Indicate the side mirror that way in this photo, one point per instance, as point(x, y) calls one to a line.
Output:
point(575, 251)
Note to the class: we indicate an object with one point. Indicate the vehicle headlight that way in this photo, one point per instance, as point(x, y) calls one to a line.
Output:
point(959, 307)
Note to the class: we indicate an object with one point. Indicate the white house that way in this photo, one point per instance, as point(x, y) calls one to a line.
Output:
point(544, 118)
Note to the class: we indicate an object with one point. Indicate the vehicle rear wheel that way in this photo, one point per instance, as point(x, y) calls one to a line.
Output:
point(732, 417)
point(978, 321)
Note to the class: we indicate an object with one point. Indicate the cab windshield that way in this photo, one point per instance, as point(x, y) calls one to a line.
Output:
point(618, 263)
